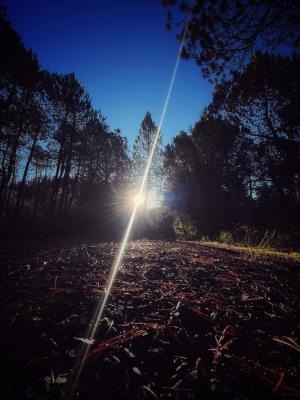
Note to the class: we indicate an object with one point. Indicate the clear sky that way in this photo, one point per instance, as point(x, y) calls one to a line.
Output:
point(121, 52)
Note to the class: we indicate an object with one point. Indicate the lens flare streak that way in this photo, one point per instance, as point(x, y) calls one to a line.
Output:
point(90, 335)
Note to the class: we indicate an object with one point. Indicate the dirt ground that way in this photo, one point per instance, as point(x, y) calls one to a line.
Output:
point(184, 321)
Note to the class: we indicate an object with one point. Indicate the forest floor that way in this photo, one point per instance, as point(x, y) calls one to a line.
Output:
point(184, 321)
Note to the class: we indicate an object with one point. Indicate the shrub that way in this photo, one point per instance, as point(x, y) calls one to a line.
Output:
point(184, 227)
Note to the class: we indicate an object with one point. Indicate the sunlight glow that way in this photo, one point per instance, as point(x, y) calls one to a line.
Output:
point(90, 335)
point(154, 198)
point(139, 199)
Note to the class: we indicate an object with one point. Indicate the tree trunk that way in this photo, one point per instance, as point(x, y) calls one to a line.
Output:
point(53, 197)
point(20, 200)
point(6, 179)
point(10, 191)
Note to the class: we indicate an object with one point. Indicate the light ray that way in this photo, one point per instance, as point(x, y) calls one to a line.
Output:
point(139, 199)
point(90, 335)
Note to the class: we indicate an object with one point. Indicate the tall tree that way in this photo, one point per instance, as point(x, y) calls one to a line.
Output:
point(37, 133)
point(207, 171)
point(18, 82)
point(71, 106)
point(264, 100)
point(141, 152)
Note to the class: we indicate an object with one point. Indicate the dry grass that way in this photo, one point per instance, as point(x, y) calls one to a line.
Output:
point(256, 251)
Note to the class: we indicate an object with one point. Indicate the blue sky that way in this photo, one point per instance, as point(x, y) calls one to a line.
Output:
point(122, 54)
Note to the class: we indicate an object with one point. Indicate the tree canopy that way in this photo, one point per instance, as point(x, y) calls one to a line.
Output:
point(222, 35)
point(241, 160)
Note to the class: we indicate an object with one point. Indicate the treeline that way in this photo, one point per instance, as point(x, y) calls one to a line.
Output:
point(58, 155)
point(236, 175)
point(240, 164)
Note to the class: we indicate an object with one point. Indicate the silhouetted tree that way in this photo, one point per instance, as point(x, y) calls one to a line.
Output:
point(54, 148)
point(264, 100)
point(141, 151)
point(70, 108)
point(19, 112)
point(223, 34)
point(207, 172)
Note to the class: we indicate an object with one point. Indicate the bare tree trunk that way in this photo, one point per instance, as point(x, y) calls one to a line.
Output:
point(6, 179)
point(3, 161)
point(58, 172)
point(43, 196)
point(10, 190)
point(20, 200)
point(65, 184)
point(74, 185)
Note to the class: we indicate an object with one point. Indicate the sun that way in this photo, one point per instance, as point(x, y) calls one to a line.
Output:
point(139, 199)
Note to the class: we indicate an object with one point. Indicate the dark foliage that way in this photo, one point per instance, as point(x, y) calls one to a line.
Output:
point(241, 162)
point(223, 34)
point(62, 168)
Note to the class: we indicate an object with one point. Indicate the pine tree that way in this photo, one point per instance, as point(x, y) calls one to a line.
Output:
point(141, 151)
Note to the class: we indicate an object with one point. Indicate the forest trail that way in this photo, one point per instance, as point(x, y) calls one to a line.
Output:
point(184, 320)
